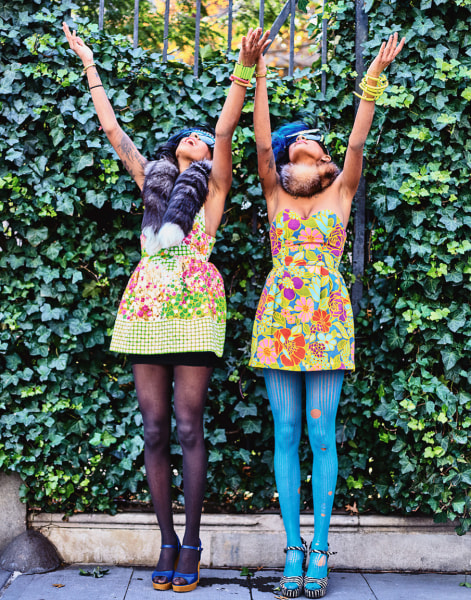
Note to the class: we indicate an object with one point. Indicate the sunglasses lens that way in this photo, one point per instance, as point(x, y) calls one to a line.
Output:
point(206, 139)
point(314, 137)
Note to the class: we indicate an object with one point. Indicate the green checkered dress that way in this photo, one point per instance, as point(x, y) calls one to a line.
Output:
point(174, 301)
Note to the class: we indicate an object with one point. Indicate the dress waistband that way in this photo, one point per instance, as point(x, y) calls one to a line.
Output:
point(305, 266)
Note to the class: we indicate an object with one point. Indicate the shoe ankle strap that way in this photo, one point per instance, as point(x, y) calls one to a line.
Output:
point(326, 552)
point(302, 548)
point(192, 547)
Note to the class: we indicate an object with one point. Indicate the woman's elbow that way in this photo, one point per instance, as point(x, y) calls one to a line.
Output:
point(356, 144)
point(224, 131)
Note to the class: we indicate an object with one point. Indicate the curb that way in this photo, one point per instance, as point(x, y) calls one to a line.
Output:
point(370, 542)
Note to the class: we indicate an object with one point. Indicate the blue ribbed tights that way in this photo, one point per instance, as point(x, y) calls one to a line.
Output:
point(322, 398)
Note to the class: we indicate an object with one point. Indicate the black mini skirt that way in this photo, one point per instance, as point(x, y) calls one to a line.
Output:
point(188, 359)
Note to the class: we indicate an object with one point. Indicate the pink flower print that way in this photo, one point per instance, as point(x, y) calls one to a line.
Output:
point(144, 312)
point(285, 313)
point(311, 238)
point(266, 351)
point(293, 224)
point(288, 284)
point(336, 240)
point(336, 306)
point(305, 308)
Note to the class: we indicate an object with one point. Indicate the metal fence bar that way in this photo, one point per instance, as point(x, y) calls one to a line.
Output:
point(229, 28)
point(166, 24)
point(135, 36)
point(358, 259)
point(291, 37)
point(280, 20)
point(324, 50)
point(197, 37)
point(101, 15)
point(261, 13)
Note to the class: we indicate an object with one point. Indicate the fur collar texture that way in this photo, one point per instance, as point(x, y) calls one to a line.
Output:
point(171, 201)
point(307, 180)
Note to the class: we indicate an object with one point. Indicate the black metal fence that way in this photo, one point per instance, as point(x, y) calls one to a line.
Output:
point(288, 10)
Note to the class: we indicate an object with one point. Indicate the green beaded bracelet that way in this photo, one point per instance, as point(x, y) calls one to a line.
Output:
point(244, 72)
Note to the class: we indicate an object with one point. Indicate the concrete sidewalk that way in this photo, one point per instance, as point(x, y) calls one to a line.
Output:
point(130, 583)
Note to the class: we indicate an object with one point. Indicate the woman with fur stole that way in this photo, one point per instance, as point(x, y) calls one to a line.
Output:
point(171, 319)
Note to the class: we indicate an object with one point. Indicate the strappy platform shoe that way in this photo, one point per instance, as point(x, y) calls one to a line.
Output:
point(192, 579)
point(168, 574)
point(321, 591)
point(297, 579)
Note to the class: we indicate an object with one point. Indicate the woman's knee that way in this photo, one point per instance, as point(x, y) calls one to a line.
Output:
point(323, 441)
point(156, 435)
point(287, 433)
point(190, 433)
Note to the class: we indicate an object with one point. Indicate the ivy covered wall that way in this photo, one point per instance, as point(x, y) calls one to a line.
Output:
point(69, 422)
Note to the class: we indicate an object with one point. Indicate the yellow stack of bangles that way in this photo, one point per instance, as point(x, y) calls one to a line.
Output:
point(374, 91)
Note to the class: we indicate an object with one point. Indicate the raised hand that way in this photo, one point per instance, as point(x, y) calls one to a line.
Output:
point(78, 45)
point(387, 53)
point(252, 46)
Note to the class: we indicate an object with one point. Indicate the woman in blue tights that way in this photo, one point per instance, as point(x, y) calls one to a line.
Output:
point(303, 331)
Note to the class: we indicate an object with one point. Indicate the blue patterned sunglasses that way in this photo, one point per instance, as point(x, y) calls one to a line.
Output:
point(308, 134)
point(204, 136)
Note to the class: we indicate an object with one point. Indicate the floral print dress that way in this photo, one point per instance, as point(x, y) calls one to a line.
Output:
point(174, 301)
point(304, 320)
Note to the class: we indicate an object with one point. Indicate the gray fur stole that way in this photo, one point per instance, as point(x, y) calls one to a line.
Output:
point(171, 201)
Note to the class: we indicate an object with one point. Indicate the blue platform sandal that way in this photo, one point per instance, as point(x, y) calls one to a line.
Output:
point(168, 574)
point(192, 579)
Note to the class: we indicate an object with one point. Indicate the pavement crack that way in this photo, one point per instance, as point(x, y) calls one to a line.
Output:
point(375, 597)
point(129, 583)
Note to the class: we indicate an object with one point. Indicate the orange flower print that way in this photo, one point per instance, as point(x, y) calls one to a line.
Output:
point(290, 347)
point(275, 240)
point(321, 321)
point(266, 351)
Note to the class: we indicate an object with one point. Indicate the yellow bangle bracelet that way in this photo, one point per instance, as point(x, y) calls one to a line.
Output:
point(87, 67)
point(245, 85)
point(243, 71)
point(374, 91)
point(370, 99)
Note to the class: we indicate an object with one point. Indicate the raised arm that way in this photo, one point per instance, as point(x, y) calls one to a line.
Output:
point(350, 177)
point(261, 119)
point(126, 150)
point(220, 181)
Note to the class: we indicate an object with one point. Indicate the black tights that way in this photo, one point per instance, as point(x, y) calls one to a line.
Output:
point(154, 393)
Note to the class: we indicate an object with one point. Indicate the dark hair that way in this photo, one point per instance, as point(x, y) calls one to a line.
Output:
point(280, 143)
point(168, 149)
